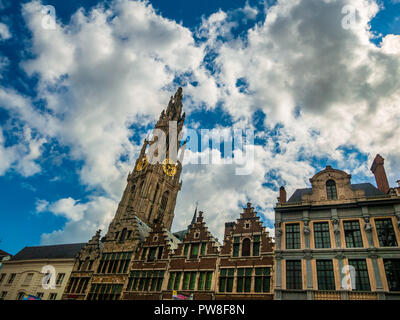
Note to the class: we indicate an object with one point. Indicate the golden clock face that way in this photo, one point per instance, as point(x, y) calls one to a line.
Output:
point(169, 167)
point(142, 164)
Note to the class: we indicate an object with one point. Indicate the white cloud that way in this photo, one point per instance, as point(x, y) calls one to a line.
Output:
point(83, 219)
point(110, 68)
point(4, 32)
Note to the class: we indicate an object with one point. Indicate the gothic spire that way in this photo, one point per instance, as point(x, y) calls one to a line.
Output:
point(194, 216)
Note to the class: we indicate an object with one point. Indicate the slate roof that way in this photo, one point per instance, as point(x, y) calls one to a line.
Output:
point(62, 251)
point(181, 234)
point(4, 254)
point(369, 189)
point(143, 229)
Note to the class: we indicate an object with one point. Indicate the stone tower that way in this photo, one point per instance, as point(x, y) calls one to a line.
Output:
point(152, 188)
point(150, 196)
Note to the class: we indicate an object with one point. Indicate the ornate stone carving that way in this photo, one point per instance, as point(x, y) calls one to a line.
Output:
point(367, 226)
point(340, 255)
point(335, 223)
point(278, 230)
point(306, 228)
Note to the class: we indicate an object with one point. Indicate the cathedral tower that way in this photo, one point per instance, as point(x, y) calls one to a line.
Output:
point(153, 186)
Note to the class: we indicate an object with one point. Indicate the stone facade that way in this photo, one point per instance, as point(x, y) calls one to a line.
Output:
point(23, 273)
point(335, 224)
point(150, 195)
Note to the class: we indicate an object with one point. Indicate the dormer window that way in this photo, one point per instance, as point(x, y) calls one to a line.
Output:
point(247, 225)
point(331, 190)
point(196, 235)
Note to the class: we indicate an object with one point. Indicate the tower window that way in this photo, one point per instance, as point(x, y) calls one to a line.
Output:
point(246, 247)
point(331, 190)
point(123, 234)
point(164, 202)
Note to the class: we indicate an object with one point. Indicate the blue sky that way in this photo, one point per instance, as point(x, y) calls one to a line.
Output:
point(77, 101)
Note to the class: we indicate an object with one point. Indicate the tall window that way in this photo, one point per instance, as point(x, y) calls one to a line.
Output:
point(203, 249)
point(256, 245)
point(321, 235)
point(262, 280)
point(325, 275)
point(164, 202)
point(60, 278)
point(28, 279)
point(205, 279)
point(362, 278)
point(105, 291)
point(236, 246)
point(331, 190)
point(123, 234)
point(385, 231)
point(244, 276)
point(293, 274)
point(189, 280)
point(116, 262)
point(293, 236)
point(152, 254)
point(246, 247)
point(194, 250)
point(226, 280)
point(11, 278)
point(392, 269)
point(352, 234)
point(174, 280)
point(2, 277)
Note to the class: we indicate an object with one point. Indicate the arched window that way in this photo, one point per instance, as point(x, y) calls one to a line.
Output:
point(164, 201)
point(123, 235)
point(246, 247)
point(141, 188)
point(331, 190)
point(155, 193)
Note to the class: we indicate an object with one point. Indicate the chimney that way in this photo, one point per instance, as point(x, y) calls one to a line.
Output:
point(378, 170)
point(282, 195)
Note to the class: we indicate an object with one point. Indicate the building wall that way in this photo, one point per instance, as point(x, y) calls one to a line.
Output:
point(22, 268)
point(365, 210)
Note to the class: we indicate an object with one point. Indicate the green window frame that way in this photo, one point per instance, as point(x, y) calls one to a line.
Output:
point(194, 251)
point(222, 280)
point(325, 275)
point(186, 249)
point(209, 280)
point(203, 249)
point(362, 276)
point(352, 234)
point(256, 245)
point(385, 232)
point(177, 280)
point(294, 278)
point(248, 279)
point(240, 280)
point(171, 280)
point(292, 236)
point(236, 246)
point(201, 281)
point(262, 280)
point(322, 238)
point(226, 280)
